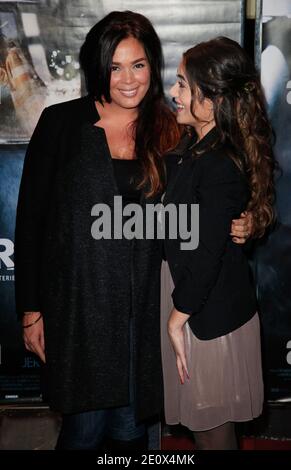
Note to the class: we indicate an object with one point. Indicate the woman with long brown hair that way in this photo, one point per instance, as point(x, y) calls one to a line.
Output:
point(90, 304)
point(225, 164)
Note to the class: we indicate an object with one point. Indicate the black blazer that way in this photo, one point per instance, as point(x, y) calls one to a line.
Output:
point(213, 282)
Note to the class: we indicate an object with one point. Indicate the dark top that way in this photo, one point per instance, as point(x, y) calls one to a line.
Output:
point(127, 174)
point(212, 282)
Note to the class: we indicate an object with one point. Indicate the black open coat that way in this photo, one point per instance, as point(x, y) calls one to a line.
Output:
point(86, 289)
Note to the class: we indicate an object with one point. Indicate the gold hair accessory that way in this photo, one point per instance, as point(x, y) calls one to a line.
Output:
point(249, 87)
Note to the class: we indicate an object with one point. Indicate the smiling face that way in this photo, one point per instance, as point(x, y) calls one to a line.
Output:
point(130, 74)
point(195, 111)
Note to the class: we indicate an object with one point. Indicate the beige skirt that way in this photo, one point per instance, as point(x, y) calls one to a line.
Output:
point(225, 382)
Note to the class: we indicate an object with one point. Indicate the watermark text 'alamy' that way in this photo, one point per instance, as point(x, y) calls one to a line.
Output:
point(132, 221)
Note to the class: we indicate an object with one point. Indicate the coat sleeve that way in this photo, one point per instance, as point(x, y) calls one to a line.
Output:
point(219, 200)
point(32, 207)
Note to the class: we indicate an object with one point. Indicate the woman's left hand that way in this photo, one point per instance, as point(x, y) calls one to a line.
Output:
point(176, 324)
point(242, 229)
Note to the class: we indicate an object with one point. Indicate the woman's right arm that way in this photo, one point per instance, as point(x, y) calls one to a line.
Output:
point(32, 208)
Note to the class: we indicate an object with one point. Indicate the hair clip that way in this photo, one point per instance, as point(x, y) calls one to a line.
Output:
point(249, 87)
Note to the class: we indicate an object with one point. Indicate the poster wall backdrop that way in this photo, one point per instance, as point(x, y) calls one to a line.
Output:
point(39, 47)
point(273, 260)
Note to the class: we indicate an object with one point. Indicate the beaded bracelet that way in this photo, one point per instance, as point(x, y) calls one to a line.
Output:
point(33, 323)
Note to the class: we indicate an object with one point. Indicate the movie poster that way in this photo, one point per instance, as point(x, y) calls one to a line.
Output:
point(273, 259)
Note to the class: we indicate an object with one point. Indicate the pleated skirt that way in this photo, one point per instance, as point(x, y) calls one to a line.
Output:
point(225, 382)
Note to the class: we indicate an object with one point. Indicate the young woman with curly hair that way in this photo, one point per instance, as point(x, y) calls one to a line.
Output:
point(224, 164)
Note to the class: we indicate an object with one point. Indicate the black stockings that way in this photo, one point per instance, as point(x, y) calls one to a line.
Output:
point(220, 438)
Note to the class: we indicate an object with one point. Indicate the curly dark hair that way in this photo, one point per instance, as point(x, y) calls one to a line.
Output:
point(156, 130)
point(221, 70)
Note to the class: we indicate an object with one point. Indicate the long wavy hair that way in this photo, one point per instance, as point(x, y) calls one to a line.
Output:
point(155, 129)
point(221, 70)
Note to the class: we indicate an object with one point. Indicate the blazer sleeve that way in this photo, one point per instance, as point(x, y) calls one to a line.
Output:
point(219, 198)
point(32, 208)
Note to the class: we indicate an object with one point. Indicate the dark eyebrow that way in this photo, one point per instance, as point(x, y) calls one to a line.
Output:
point(134, 62)
point(181, 76)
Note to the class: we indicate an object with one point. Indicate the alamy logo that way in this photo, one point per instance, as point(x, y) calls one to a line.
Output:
point(158, 221)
